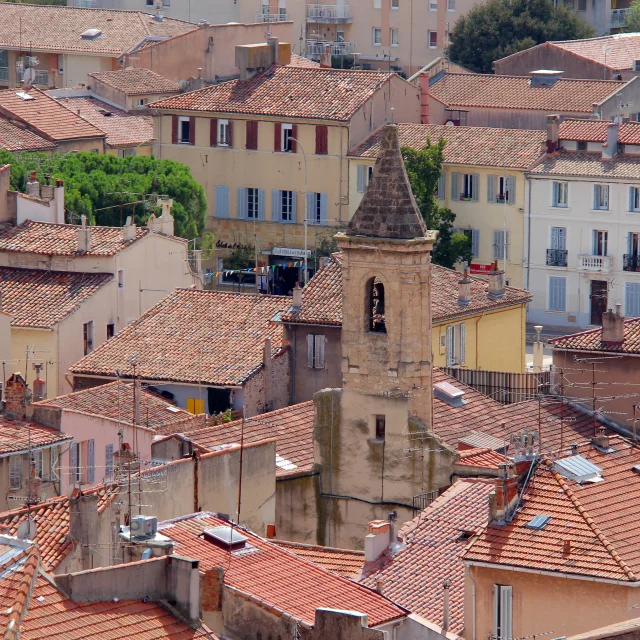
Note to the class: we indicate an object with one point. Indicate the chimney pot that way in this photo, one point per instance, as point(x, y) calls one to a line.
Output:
point(445, 605)
point(574, 448)
point(464, 290)
point(566, 547)
point(297, 296)
point(496, 282)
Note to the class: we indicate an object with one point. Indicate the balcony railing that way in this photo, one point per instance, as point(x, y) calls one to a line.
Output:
point(271, 17)
point(618, 17)
point(630, 262)
point(595, 263)
point(315, 48)
point(557, 257)
point(330, 13)
point(4, 74)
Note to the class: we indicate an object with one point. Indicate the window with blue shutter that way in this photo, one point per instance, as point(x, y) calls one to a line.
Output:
point(475, 242)
point(632, 299)
point(91, 461)
point(222, 202)
point(324, 208)
point(73, 462)
point(511, 190)
point(440, 194)
point(475, 187)
point(557, 293)
point(275, 205)
point(108, 461)
point(500, 243)
point(455, 189)
point(242, 203)
point(361, 170)
point(261, 198)
point(491, 195)
point(294, 206)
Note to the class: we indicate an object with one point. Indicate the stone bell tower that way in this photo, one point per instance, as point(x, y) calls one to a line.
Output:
point(386, 325)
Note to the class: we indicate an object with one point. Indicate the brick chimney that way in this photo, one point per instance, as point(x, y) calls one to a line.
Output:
point(464, 290)
point(553, 133)
point(424, 98)
point(15, 396)
point(503, 500)
point(613, 327)
point(212, 587)
point(496, 282)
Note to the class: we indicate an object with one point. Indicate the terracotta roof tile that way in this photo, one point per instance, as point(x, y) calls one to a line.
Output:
point(322, 297)
point(47, 238)
point(135, 82)
point(589, 164)
point(515, 92)
point(479, 457)
point(344, 562)
point(597, 518)
point(275, 576)
point(291, 426)
point(299, 61)
point(15, 434)
point(433, 543)
point(193, 336)
point(596, 131)
point(294, 92)
point(58, 28)
point(41, 299)
point(17, 138)
point(17, 582)
point(45, 115)
point(591, 340)
point(618, 51)
point(115, 400)
point(477, 146)
point(123, 128)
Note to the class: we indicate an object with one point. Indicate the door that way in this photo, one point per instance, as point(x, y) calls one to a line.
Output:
point(598, 299)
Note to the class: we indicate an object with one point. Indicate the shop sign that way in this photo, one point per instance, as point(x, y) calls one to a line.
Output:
point(480, 268)
point(232, 245)
point(293, 253)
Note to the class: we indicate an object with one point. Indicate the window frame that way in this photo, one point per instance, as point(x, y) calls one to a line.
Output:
point(286, 135)
point(600, 237)
point(223, 132)
point(433, 6)
point(561, 189)
point(316, 347)
point(182, 120)
point(253, 203)
point(451, 6)
point(111, 330)
point(381, 425)
point(550, 307)
point(394, 31)
point(456, 335)
point(121, 278)
point(634, 199)
point(601, 192)
point(502, 611)
point(289, 198)
point(431, 33)
point(88, 336)
point(15, 470)
point(376, 31)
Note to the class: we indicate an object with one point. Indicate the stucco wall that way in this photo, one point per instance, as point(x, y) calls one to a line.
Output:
point(78, 66)
point(43, 347)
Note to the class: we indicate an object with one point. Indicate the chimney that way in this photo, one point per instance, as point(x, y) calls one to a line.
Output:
point(502, 501)
point(33, 186)
point(84, 525)
point(445, 605)
point(380, 585)
point(601, 441)
point(271, 531)
point(274, 53)
point(610, 147)
point(47, 188)
point(424, 98)
point(297, 297)
point(464, 290)
point(128, 230)
point(84, 235)
point(496, 282)
point(58, 202)
point(538, 350)
point(166, 219)
point(566, 547)
point(158, 14)
point(377, 540)
point(613, 327)
point(15, 396)
point(574, 449)
point(553, 133)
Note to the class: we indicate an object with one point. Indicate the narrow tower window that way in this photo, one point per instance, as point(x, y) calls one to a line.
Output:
point(376, 306)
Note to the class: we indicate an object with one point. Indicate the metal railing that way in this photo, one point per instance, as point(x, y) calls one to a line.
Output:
point(618, 17)
point(42, 77)
point(329, 12)
point(4, 74)
point(334, 48)
point(557, 257)
point(271, 17)
point(83, 4)
point(594, 263)
point(423, 500)
point(630, 262)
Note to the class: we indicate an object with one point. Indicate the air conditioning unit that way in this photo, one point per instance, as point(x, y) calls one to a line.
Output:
point(144, 526)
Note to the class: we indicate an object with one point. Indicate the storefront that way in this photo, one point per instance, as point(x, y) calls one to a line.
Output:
point(286, 267)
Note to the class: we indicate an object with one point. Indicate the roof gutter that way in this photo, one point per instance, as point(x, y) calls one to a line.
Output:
point(613, 354)
point(36, 448)
point(554, 574)
point(153, 382)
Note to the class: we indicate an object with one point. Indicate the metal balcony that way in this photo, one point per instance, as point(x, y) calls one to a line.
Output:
point(271, 17)
point(315, 49)
point(329, 13)
point(630, 262)
point(595, 263)
point(618, 18)
point(557, 257)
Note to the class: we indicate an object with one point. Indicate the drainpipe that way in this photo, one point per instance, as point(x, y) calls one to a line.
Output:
point(196, 458)
point(528, 183)
point(473, 604)
point(445, 605)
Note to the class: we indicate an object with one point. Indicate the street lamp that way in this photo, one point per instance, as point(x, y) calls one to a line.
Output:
point(306, 263)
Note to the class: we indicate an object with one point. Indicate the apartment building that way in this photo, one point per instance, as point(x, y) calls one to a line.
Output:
point(583, 232)
point(270, 150)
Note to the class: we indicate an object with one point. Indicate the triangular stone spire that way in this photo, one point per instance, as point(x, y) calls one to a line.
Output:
point(388, 208)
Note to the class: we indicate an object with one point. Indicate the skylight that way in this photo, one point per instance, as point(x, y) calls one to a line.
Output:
point(449, 393)
point(538, 522)
point(91, 33)
point(578, 469)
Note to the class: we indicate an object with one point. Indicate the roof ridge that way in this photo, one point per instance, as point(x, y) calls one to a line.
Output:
point(591, 524)
point(19, 608)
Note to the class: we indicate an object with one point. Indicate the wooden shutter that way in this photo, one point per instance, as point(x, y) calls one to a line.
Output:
point(455, 191)
point(276, 210)
point(310, 350)
point(475, 242)
point(73, 462)
point(294, 206)
point(497, 245)
point(361, 169)
point(277, 137)
point(213, 132)
point(91, 461)
point(463, 342)
point(450, 346)
point(505, 612)
point(174, 129)
point(557, 293)
point(261, 198)
point(441, 193)
point(324, 208)
point(319, 352)
point(511, 190)
point(294, 133)
point(496, 610)
point(491, 195)
point(632, 299)
point(505, 236)
point(242, 203)
point(230, 133)
point(252, 135)
point(108, 461)
point(322, 139)
point(475, 186)
point(192, 130)
point(222, 201)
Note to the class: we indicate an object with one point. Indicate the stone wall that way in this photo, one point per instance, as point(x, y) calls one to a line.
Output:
point(260, 397)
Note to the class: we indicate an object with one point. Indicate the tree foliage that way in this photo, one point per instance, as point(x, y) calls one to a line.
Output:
point(632, 18)
point(424, 167)
point(499, 28)
point(97, 186)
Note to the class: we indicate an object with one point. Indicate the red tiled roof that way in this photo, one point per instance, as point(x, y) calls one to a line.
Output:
point(322, 297)
point(413, 577)
point(618, 51)
point(123, 128)
point(478, 146)
point(344, 562)
point(52, 615)
point(597, 518)
point(17, 580)
point(45, 115)
point(204, 337)
point(47, 238)
point(15, 435)
point(589, 164)
point(59, 28)
point(299, 61)
point(136, 82)
point(294, 92)
point(591, 340)
point(292, 427)
point(479, 457)
point(596, 131)
point(515, 92)
point(278, 578)
point(41, 299)
point(15, 138)
point(115, 400)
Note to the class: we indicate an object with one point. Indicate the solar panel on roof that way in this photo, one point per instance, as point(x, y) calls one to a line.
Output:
point(538, 522)
point(577, 468)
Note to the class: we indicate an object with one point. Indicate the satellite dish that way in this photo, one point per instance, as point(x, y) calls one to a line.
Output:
point(33, 61)
point(27, 530)
point(449, 123)
point(29, 77)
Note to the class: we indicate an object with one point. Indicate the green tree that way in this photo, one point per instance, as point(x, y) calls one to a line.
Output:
point(632, 19)
point(424, 167)
point(104, 187)
point(499, 28)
